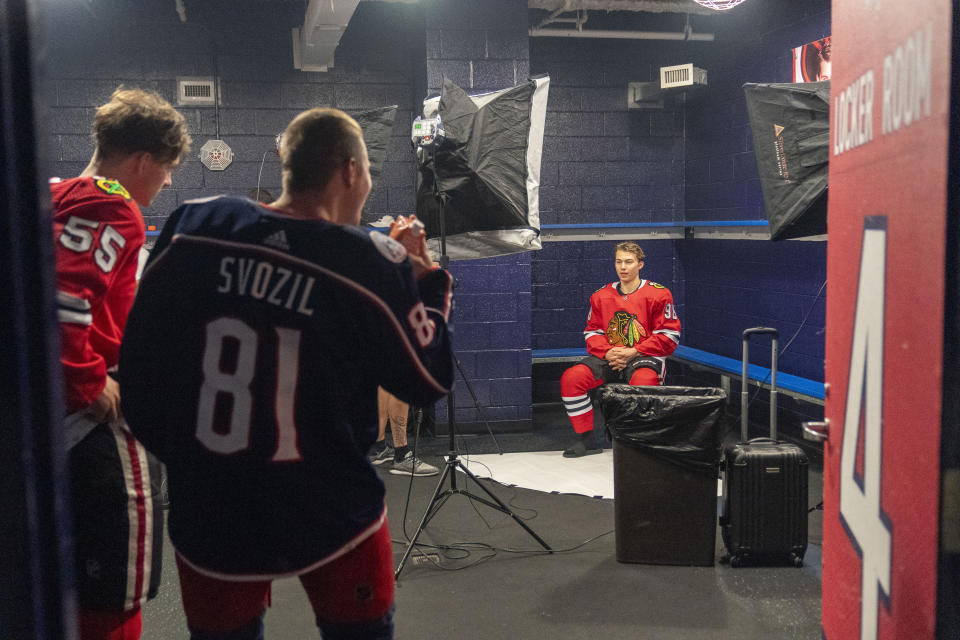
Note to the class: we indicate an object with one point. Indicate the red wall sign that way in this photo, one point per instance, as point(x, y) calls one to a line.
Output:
point(885, 268)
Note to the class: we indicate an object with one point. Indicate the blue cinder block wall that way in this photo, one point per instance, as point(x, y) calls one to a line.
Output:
point(482, 46)
point(602, 162)
point(388, 55)
point(731, 285)
point(691, 161)
point(98, 46)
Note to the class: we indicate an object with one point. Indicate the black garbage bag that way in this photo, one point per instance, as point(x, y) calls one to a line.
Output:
point(680, 424)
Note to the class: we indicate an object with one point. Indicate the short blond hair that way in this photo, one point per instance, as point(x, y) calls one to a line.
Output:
point(314, 145)
point(631, 247)
point(134, 121)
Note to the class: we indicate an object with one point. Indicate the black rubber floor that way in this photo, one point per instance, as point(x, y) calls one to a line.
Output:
point(487, 578)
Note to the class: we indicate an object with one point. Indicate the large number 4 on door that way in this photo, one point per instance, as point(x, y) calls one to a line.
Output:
point(861, 512)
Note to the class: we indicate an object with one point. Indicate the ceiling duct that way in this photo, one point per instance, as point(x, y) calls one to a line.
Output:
point(323, 25)
point(581, 9)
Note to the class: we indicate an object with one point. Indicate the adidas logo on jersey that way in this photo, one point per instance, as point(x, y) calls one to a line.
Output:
point(278, 240)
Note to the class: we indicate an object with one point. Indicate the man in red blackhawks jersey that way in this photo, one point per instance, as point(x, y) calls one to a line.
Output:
point(98, 233)
point(251, 364)
point(631, 327)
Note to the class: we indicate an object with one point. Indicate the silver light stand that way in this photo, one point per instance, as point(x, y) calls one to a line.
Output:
point(427, 134)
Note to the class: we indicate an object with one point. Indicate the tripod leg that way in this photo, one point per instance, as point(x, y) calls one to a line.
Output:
point(423, 521)
point(476, 403)
point(504, 508)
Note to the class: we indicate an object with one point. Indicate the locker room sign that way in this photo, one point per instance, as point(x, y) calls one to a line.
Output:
point(890, 91)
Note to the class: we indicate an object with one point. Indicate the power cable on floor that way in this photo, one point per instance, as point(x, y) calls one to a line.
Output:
point(466, 547)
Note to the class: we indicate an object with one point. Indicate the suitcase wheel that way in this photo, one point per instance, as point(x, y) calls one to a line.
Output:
point(735, 561)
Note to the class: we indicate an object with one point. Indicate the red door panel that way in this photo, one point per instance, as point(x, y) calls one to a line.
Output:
point(885, 261)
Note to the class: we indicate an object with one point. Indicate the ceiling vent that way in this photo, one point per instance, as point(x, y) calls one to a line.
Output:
point(682, 76)
point(197, 92)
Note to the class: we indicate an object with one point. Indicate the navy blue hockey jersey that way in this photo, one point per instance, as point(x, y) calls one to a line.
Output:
point(251, 361)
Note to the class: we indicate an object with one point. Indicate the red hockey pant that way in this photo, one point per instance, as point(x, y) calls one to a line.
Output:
point(578, 380)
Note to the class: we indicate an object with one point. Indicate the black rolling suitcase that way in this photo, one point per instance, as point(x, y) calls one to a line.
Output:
point(764, 518)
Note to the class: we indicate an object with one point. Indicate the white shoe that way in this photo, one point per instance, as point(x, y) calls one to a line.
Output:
point(411, 466)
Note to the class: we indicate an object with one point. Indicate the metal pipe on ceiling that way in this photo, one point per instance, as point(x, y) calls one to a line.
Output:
point(621, 35)
point(553, 15)
point(649, 6)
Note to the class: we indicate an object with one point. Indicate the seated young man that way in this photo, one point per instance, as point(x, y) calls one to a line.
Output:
point(631, 327)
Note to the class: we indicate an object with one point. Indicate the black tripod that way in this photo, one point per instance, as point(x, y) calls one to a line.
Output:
point(452, 462)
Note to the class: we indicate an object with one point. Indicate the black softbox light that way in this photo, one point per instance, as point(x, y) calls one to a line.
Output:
point(487, 168)
point(791, 137)
point(377, 125)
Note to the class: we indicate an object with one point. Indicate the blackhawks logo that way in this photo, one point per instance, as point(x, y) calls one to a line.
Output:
point(625, 330)
point(112, 187)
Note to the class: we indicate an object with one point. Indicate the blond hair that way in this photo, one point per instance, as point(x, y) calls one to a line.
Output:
point(631, 247)
point(314, 145)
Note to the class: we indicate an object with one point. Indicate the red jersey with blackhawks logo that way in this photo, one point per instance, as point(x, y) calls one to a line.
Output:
point(98, 231)
point(644, 319)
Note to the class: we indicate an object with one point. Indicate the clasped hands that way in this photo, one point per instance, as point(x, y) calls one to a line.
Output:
point(619, 357)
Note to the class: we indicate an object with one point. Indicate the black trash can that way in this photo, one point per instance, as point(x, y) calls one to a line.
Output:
point(666, 453)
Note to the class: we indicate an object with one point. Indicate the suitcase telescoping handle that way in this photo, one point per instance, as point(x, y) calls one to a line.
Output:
point(745, 393)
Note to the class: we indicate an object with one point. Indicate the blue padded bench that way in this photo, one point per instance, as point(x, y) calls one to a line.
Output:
point(795, 386)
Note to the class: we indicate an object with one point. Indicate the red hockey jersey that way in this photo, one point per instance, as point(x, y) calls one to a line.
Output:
point(98, 232)
point(644, 319)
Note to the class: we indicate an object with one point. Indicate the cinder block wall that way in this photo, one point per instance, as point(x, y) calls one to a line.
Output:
point(482, 46)
point(604, 162)
point(95, 47)
point(732, 285)
point(387, 56)
point(691, 161)
point(601, 161)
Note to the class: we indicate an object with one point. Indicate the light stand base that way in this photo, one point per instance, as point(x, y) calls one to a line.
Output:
point(452, 464)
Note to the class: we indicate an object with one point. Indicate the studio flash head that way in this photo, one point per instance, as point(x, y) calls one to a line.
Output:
point(426, 132)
